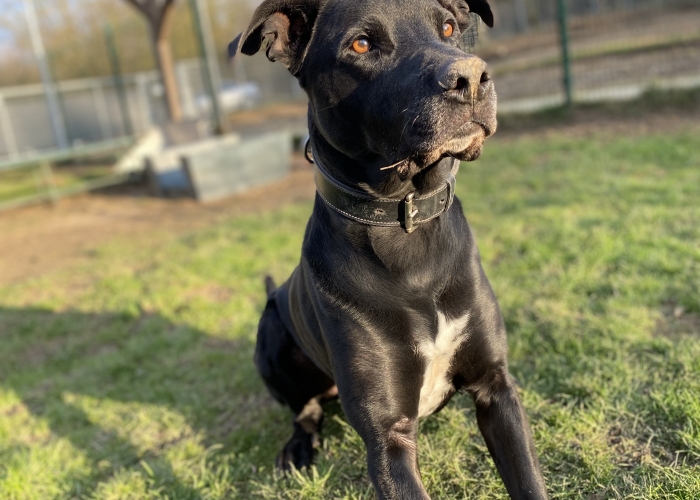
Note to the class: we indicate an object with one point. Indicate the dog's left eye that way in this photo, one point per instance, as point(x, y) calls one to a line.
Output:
point(447, 30)
point(361, 45)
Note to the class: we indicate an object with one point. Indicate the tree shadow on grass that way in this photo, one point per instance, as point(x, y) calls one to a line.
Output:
point(125, 389)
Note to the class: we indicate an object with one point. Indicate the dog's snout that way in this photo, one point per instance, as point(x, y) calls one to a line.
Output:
point(463, 79)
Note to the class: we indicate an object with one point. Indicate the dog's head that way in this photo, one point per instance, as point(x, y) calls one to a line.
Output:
point(386, 80)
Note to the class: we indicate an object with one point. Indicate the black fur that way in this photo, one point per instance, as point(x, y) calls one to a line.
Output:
point(364, 297)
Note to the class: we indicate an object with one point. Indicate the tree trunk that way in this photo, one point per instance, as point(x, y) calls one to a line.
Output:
point(159, 15)
point(164, 58)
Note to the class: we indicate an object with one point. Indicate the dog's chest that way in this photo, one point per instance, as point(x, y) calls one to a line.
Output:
point(437, 356)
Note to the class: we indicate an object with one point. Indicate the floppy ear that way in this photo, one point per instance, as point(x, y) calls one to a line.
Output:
point(483, 10)
point(285, 25)
point(479, 7)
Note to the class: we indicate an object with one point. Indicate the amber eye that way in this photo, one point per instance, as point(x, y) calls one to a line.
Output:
point(361, 45)
point(447, 30)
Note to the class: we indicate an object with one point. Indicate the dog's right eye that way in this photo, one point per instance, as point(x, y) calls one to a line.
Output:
point(361, 45)
point(447, 30)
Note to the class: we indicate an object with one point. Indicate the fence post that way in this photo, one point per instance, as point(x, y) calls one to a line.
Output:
point(49, 181)
point(55, 114)
point(118, 80)
point(60, 97)
point(521, 21)
point(211, 70)
point(6, 127)
point(566, 60)
point(147, 114)
point(98, 99)
point(187, 98)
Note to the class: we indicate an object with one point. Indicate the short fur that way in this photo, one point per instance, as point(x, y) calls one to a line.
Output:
point(395, 323)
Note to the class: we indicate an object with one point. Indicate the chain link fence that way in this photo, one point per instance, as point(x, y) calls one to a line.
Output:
point(618, 49)
point(104, 108)
point(91, 111)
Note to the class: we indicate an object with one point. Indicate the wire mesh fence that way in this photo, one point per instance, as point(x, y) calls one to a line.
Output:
point(617, 50)
point(90, 109)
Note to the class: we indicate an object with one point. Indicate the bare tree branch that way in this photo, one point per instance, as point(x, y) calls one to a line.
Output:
point(155, 10)
point(141, 6)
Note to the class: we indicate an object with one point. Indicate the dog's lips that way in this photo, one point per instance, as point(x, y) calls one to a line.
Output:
point(465, 145)
point(472, 127)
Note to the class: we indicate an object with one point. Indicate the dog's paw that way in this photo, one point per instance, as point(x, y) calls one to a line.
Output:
point(298, 452)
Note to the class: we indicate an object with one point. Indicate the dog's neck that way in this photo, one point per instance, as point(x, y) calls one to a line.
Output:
point(368, 172)
point(393, 247)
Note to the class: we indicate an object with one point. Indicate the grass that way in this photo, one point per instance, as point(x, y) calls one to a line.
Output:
point(131, 375)
point(29, 181)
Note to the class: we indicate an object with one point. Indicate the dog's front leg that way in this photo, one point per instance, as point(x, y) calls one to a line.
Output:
point(507, 433)
point(380, 399)
point(392, 460)
point(483, 371)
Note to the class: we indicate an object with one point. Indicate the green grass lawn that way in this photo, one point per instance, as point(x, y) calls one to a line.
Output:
point(131, 375)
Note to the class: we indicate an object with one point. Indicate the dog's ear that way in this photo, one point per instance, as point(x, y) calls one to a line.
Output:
point(483, 10)
point(285, 26)
point(479, 7)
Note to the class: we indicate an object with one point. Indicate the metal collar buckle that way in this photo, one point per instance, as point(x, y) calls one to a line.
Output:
point(409, 212)
point(362, 207)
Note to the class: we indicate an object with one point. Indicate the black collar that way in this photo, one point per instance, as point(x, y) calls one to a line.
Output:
point(364, 208)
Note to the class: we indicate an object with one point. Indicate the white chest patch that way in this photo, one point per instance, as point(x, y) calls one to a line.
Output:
point(438, 357)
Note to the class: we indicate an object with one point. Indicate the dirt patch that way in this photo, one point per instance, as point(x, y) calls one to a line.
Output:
point(677, 322)
point(211, 292)
point(630, 451)
point(40, 239)
point(242, 120)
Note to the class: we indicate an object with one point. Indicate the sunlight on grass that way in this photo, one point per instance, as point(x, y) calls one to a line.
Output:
point(131, 375)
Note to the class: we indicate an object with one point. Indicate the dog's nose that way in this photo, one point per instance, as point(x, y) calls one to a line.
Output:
point(463, 79)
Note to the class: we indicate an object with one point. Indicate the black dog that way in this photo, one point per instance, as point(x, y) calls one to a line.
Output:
point(390, 303)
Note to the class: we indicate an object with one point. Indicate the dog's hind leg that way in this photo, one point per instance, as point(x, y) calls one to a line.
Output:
point(307, 431)
point(293, 380)
point(307, 427)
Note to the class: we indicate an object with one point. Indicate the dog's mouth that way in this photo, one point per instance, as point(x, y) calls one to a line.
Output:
point(465, 145)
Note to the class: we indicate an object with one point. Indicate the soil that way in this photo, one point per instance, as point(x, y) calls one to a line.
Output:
point(45, 238)
point(41, 239)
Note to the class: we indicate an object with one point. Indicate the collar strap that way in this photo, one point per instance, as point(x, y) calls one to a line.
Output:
point(361, 207)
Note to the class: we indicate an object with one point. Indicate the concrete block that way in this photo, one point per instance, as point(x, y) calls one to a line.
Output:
point(218, 168)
